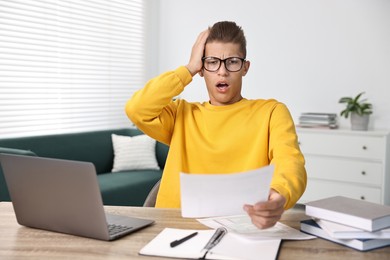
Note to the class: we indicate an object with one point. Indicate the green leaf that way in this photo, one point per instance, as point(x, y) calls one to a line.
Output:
point(361, 107)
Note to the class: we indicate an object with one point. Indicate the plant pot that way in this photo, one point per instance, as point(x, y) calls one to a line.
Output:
point(359, 122)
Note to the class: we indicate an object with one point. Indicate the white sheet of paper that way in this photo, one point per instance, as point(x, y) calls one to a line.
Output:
point(209, 195)
point(242, 225)
point(235, 247)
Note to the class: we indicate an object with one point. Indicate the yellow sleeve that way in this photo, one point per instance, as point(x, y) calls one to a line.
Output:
point(290, 174)
point(151, 109)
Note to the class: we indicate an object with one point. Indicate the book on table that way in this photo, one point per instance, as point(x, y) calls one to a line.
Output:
point(311, 227)
point(337, 230)
point(351, 212)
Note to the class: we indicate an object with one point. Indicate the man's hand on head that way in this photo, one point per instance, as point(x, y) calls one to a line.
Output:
point(266, 214)
point(195, 64)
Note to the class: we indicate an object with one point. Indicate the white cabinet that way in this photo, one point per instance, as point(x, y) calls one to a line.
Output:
point(349, 163)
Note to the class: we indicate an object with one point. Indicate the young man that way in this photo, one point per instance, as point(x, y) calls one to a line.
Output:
point(228, 133)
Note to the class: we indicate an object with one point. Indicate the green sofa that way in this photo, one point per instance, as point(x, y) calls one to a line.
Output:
point(128, 188)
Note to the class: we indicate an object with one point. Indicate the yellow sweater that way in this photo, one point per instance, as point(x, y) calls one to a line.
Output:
point(217, 139)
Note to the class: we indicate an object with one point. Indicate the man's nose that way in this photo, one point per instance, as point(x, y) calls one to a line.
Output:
point(222, 69)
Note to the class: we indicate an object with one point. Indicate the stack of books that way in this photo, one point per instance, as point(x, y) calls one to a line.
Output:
point(318, 120)
point(354, 223)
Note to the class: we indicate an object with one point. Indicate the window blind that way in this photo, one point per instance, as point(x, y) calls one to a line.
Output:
point(69, 65)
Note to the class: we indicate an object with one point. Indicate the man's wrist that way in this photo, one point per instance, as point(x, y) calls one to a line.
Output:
point(191, 70)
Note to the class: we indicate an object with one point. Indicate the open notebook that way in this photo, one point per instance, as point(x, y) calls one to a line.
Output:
point(230, 246)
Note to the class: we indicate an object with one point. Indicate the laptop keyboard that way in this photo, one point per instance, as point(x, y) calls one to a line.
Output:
point(114, 229)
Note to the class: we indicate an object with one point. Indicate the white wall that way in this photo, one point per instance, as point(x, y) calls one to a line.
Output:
point(305, 53)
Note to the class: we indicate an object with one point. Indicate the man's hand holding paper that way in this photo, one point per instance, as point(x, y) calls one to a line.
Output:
point(266, 214)
point(209, 195)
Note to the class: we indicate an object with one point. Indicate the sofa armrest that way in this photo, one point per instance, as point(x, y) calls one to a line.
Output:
point(4, 195)
point(16, 151)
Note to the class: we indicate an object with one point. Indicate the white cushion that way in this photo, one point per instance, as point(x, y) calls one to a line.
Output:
point(134, 153)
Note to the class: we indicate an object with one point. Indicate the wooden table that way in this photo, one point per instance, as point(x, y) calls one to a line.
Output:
point(21, 242)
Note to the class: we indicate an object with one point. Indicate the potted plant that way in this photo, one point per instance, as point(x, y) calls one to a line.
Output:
point(359, 109)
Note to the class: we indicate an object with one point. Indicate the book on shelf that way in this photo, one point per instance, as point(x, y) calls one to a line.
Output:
point(311, 227)
point(319, 115)
point(337, 230)
point(317, 125)
point(317, 121)
point(351, 212)
point(320, 120)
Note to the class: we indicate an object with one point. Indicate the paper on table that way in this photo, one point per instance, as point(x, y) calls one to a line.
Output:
point(208, 195)
point(242, 225)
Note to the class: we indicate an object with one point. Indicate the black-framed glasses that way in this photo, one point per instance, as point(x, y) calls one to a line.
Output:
point(232, 64)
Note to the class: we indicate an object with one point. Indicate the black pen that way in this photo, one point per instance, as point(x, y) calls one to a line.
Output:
point(184, 239)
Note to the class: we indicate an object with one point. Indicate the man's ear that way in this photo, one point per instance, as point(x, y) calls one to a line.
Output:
point(201, 73)
point(247, 64)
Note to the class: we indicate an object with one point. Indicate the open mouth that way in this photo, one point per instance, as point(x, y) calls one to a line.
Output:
point(222, 86)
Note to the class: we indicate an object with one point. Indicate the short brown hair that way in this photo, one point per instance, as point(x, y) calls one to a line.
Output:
point(228, 32)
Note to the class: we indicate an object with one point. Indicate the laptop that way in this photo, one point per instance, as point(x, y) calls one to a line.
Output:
point(62, 196)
